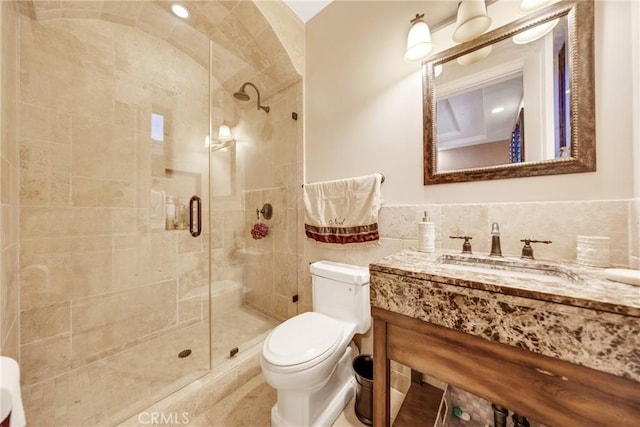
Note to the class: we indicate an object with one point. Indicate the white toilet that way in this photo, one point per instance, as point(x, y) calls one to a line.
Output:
point(308, 357)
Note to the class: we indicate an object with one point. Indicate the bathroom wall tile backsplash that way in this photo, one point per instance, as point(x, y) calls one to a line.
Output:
point(559, 222)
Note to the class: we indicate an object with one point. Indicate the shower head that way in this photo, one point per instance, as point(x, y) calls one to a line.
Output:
point(241, 95)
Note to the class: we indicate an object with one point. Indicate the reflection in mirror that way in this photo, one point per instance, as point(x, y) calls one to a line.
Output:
point(480, 103)
point(223, 169)
point(517, 101)
point(477, 126)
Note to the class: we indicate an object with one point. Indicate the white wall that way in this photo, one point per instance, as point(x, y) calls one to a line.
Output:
point(363, 109)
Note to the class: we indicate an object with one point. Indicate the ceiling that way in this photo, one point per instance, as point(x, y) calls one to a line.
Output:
point(306, 9)
point(469, 118)
point(440, 12)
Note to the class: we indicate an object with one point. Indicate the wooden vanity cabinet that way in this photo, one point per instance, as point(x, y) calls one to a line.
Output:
point(551, 391)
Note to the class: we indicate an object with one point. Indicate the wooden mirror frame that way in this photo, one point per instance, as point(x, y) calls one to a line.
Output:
point(580, 18)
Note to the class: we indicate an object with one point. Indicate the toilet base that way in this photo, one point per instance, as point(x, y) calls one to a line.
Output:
point(320, 408)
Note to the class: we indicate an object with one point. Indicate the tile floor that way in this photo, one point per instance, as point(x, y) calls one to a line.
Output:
point(250, 406)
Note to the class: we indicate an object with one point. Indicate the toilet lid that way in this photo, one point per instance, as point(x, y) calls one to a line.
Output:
point(301, 339)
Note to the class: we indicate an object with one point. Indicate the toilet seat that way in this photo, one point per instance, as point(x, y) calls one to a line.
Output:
point(302, 341)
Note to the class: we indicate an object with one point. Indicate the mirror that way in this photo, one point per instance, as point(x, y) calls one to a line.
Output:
point(509, 105)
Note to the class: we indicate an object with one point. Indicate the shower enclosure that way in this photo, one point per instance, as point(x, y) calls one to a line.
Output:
point(122, 300)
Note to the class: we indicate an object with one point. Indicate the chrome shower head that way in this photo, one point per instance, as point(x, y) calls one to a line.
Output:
point(242, 96)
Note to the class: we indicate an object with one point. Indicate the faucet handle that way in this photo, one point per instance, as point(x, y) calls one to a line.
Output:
point(466, 246)
point(527, 250)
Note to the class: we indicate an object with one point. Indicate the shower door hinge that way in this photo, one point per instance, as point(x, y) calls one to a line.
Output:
point(294, 116)
point(294, 298)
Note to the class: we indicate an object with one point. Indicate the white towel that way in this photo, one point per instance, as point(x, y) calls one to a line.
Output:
point(10, 390)
point(343, 212)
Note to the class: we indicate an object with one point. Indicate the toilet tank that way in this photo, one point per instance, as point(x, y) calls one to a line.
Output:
point(341, 291)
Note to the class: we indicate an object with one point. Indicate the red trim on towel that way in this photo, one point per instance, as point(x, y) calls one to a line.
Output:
point(7, 421)
point(343, 235)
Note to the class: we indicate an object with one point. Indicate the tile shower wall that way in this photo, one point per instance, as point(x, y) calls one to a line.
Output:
point(634, 234)
point(10, 185)
point(99, 273)
point(271, 174)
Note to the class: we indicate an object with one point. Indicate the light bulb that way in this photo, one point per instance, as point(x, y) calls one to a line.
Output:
point(180, 11)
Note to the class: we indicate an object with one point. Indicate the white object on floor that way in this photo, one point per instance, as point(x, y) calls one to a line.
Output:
point(623, 275)
point(10, 395)
point(308, 358)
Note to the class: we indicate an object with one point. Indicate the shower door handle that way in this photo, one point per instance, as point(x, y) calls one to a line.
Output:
point(195, 216)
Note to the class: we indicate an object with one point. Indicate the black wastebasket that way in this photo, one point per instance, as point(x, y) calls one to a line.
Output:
point(363, 367)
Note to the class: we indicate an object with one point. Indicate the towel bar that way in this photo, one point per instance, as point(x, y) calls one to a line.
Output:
point(381, 181)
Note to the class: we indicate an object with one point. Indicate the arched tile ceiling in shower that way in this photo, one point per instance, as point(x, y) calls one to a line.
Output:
point(245, 46)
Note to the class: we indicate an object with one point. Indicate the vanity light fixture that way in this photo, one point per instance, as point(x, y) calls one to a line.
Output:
point(224, 139)
point(180, 11)
point(531, 5)
point(538, 31)
point(224, 133)
point(472, 20)
point(475, 56)
point(418, 40)
point(534, 33)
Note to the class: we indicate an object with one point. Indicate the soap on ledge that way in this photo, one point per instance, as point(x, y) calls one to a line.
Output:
point(623, 275)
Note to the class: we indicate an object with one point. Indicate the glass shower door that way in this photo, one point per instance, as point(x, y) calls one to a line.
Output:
point(254, 276)
point(114, 117)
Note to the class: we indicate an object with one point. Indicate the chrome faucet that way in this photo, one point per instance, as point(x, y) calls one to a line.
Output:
point(495, 240)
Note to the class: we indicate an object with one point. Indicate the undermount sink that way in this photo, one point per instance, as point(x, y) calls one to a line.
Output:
point(508, 267)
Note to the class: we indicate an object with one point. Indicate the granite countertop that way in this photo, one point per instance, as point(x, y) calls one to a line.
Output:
point(577, 285)
point(571, 312)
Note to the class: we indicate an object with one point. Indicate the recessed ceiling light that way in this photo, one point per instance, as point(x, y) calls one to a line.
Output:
point(180, 11)
point(497, 110)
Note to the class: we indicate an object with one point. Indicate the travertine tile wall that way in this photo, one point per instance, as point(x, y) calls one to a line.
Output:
point(634, 234)
point(268, 167)
point(98, 272)
point(9, 188)
point(559, 222)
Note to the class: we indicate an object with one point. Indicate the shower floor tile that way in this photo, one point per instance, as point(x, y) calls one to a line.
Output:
point(101, 393)
point(241, 327)
point(111, 390)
